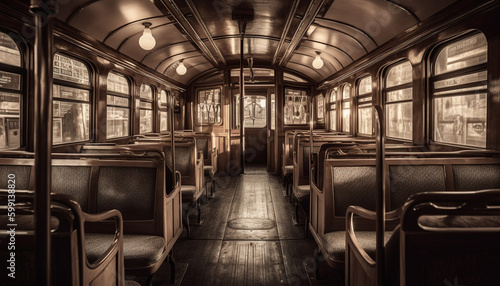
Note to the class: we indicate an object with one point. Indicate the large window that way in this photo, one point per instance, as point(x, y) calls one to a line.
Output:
point(346, 108)
point(146, 109)
point(320, 108)
point(332, 109)
point(398, 95)
point(71, 100)
point(459, 92)
point(255, 111)
point(10, 93)
point(163, 111)
point(296, 109)
point(364, 98)
point(118, 119)
point(209, 106)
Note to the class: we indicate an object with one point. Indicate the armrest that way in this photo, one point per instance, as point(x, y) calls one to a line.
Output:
point(178, 179)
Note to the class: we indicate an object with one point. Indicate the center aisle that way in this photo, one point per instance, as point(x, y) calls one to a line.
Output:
point(247, 237)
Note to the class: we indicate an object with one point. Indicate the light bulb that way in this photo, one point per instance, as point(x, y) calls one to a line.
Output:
point(181, 69)
point(318, 62)
point(147, 41)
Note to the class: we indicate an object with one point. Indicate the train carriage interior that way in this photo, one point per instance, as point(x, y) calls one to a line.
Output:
point(240, 142)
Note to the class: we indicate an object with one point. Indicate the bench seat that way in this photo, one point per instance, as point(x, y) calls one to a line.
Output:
point(138, 250)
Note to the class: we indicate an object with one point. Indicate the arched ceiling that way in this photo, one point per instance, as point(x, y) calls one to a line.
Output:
point(282, 34)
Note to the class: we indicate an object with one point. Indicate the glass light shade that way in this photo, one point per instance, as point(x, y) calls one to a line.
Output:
point(181, 69)
point(318, 62)
point(147, 41)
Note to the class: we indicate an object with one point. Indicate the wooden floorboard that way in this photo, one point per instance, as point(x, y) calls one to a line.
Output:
point(248, 238)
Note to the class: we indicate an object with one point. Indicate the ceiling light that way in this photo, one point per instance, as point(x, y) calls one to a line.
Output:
point(147, 41)
point(318, 62)
point(181, 68)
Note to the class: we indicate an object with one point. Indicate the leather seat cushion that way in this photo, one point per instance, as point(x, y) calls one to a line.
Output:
point(138, 250)
point(303, 192)
point(335, 243)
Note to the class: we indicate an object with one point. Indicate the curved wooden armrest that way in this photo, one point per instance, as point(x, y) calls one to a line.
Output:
point(351, 236)
point(315, 188)
point(178, 178)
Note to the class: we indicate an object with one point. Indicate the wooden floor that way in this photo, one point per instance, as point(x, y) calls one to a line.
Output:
point(247, 237)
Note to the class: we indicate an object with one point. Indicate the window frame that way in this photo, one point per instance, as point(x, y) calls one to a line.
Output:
point(152, 109)
point(197, 102)
point(478, 87)
point(163, 107)
point(307, 108)
point(66, 83)
point(386, 90)
point(120, 95)
point(361, 104)
point(332, 106)
point(21, 92)
point(344, 101)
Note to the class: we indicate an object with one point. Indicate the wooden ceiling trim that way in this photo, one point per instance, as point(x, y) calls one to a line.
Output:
point(200, 21)
point(405, 9)
point(312, 10)
point(184, 24)
point(288, 23)
point(344, 33)
point(350, 26)
point(110, 34)
point(78, 10)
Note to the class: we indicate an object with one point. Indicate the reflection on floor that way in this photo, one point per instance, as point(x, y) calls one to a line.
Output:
point(247, 238)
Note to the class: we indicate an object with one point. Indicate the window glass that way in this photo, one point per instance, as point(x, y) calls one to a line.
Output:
point(320, 101)
point(10, 94)
point(209, 106)
point(346, 108)
point(398, 95)
point(146, 109)
point(399, 74)
point(118, 106)
point(332, 109)
point(460, 99)
point(71, 100)
point(255, 111)
point(364, 98)
point(296, 109)
point(163, 111)
point(461, 54)
point(9, 52)
point(70, 70)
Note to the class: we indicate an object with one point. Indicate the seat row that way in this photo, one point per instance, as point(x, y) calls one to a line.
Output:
point(133, 186)
point(350, 180)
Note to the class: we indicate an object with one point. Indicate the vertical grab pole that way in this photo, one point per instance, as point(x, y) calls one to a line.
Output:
point(171, 102)
point(43, 11)
point(242, 25)
point(380, 147)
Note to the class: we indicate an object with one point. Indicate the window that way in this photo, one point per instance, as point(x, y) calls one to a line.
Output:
point(346, 108)
point(398, 95)
point(320, 108)
point(71, 100)
point(459, 92)
point(118, 119)
point(255, 111)
point(333, 109)
point(146, 109)
point(209, 106)
point(163, 111)
point(296, 109)
point(364, 99)
point(10, 93)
